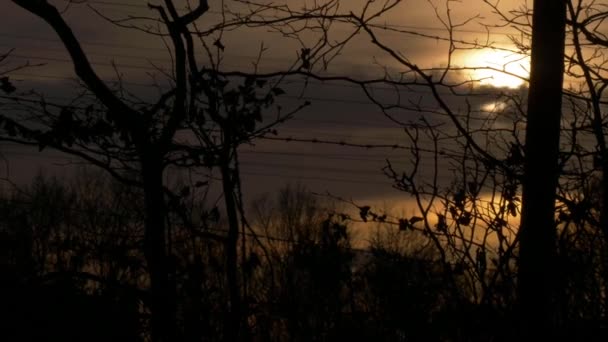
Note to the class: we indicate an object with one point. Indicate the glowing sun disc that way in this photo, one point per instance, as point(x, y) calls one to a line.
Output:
point(488, 64)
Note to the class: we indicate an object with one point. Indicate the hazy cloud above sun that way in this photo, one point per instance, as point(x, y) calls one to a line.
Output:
point(415, 30)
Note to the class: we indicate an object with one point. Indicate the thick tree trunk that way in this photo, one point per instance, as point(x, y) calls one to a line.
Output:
point(604, 229)
point(163, 325)
point(536, 281)
point(232, 325)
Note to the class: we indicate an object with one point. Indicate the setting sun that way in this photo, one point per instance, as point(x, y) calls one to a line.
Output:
point(491, 64)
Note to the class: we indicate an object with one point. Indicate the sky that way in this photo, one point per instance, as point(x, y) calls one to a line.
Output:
point(338, 111)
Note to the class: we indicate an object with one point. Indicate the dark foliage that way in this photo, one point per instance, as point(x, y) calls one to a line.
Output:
point(66, 282)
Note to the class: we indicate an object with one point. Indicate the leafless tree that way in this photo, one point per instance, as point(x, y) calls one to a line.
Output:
point(196, 122)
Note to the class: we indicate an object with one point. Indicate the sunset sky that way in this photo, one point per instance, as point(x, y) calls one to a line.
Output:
point(339, 111)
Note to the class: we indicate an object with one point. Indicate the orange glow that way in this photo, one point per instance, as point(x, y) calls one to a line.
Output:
point(490, 65)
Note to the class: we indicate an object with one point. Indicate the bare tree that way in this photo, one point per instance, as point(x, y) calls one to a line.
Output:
point(198, 121)
point(470, 222)
point(492, 158)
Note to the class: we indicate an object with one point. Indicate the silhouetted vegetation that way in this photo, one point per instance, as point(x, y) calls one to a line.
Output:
point(75, 271)
point(157, 243)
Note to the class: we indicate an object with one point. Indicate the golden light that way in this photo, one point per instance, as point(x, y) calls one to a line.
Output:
point(497, 68)
point(494, 107)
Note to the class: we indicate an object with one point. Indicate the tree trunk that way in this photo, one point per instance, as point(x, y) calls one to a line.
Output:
point(603, 207)
point(233, 320)
point(537, 252)
point(163, 325)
